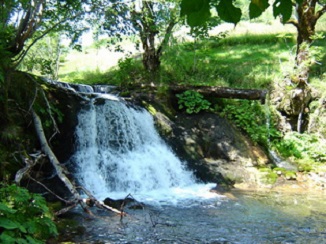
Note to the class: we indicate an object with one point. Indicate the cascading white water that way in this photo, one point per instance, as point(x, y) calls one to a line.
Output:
point(119, 152)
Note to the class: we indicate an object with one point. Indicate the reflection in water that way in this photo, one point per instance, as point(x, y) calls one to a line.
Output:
point(252, 218)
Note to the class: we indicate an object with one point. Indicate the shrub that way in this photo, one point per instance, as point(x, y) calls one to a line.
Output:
point(193, 102)
point(24, 217)
point(251, 117)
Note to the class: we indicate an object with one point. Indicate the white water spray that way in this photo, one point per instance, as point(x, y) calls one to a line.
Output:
point(119, 152)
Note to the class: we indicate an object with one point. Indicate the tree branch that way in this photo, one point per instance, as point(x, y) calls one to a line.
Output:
point(293, 22)
point(20, 58)
point(166, 37)
point(321, 12)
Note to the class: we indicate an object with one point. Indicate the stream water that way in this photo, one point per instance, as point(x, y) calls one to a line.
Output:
point(119, 152)
point(248, 218)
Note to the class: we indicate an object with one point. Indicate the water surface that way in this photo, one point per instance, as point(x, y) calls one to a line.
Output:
point(249, 218)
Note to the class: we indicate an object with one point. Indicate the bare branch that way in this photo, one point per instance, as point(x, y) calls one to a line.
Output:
point(29, 165)
point(46, 188)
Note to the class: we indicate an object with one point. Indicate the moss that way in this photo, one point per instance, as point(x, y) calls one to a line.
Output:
point(290, 175)
point(270, 176)
point(150, 108)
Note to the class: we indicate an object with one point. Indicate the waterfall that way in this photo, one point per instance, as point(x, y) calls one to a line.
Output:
point(277, 160)
point(119, 152)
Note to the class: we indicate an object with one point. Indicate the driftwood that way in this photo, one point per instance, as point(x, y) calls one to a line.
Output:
point(77, 199)
point(224, 92)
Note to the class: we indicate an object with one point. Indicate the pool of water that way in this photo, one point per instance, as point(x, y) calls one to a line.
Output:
point(248, 217)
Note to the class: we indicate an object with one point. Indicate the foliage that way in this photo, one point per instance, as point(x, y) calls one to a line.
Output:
point(198, 12)
point(24, 217)
point(151, 21)
point(45, 56)
point(270, 176)
point(252, 118)
point(302, 146)
point(192, 101)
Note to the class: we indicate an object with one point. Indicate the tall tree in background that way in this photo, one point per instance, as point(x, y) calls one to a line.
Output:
point(152, 21)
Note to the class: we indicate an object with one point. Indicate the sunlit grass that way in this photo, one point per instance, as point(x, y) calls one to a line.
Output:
point(249, 61)
point(248, 57)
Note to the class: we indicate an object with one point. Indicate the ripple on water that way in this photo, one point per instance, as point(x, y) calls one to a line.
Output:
point(252, 218)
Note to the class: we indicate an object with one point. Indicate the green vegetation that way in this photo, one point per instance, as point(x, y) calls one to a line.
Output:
point(24, 217)
point(252, 118)
point(304, 149)
point(193, 102)
point(247, 61)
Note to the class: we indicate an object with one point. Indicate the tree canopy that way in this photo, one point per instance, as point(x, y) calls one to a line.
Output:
point(198, 12)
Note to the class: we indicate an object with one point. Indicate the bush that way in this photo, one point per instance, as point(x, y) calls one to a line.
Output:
point(193, 102)
point(251, 117)
point(24, 217)
point(310, 147)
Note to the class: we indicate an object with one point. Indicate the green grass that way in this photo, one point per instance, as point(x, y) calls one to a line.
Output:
point(245, 61)
point(249, 61)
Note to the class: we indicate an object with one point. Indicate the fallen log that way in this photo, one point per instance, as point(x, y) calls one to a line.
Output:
point(224, 92)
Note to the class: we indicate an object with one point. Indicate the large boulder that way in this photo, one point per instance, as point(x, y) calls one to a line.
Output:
point(213, 148)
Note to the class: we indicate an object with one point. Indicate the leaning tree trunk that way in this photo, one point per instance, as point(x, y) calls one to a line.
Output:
point(73, 189)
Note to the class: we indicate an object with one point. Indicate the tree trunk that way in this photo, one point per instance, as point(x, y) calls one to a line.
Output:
point(53, 159)
point(305, 30)
point(151, 60)
point(299, 98)
point(224, 92)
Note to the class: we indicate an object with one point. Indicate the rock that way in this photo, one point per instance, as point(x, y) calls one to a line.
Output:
point(214, 149)
point(121, 203)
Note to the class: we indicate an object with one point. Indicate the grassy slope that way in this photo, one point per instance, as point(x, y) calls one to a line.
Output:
point(251, 56)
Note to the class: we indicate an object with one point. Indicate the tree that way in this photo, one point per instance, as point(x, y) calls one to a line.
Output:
point(45, 56)
point(306, 13)
point(305, 19)
point(24, 22)
point(152, 21)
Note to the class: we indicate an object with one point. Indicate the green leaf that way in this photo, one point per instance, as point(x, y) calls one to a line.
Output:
point(257, 7)
point(5, 238)
point(32, 240)
point(5, 209)
point(197, 11)
point(8, 224)
point(228, 12)
point(282, 8)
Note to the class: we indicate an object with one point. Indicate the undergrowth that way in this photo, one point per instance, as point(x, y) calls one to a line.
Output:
point(24, 217)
